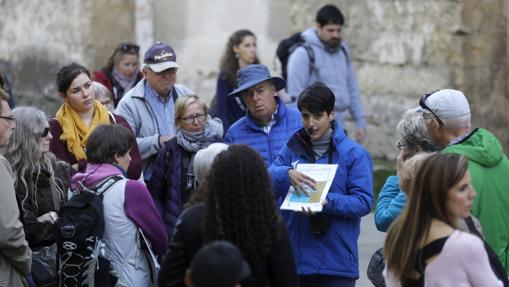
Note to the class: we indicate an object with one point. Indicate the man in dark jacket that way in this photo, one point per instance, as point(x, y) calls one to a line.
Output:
point(269, 123)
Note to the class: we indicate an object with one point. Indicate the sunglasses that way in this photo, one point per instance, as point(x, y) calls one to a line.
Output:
point(44, 132)
point(128, 48)
point(422, 103)
point(10, 119)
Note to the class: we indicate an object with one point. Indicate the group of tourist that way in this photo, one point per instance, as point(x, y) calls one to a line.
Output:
point(204, 186)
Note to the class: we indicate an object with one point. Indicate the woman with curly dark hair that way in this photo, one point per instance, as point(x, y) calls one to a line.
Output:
point(240, 208)
point(240, 51)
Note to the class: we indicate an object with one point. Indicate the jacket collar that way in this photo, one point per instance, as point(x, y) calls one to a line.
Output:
point(300, 142)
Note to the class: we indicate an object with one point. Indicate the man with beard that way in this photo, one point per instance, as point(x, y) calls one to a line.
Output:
point(324, 57)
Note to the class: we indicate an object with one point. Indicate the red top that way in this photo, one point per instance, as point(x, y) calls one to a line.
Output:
point(59, 148)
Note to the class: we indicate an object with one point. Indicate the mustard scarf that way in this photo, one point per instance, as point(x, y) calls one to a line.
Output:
point(74, 131)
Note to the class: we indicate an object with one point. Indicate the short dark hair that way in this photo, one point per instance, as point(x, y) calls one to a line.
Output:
point(330, 14)
point(106, 141)
point(317, 98)
point(67, 74)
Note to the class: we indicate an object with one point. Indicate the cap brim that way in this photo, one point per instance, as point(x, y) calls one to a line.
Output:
point(159, 67)
point(279, 82)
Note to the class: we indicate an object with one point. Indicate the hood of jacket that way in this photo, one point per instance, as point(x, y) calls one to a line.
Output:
point(480, 146)
point(94, 173)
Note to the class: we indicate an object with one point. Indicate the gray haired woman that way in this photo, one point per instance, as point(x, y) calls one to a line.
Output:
point(40, 181)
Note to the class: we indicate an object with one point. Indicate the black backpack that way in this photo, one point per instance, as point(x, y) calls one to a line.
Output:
point(286, 47)
point(80, 251)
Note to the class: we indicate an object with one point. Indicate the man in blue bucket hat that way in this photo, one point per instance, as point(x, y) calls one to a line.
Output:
point(268, 123)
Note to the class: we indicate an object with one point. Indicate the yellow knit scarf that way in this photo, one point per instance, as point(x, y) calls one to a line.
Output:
point(74, 131)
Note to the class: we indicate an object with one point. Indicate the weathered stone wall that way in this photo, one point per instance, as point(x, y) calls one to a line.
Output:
point(38, 37)
point(403, 49)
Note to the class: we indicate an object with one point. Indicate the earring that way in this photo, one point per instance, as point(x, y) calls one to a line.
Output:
point(237, 55)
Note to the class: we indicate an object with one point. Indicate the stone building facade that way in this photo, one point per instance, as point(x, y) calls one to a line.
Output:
point(401, 49)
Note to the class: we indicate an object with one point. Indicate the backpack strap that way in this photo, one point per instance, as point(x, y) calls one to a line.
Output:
point(311, 55)
point(112, 118)
point(102, 186)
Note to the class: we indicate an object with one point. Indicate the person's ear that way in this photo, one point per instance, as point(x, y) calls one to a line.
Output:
point(116, 159)
point(187, 278)
point(144, 71)
point(62, 95)
point(235, 49)
point(331, 115)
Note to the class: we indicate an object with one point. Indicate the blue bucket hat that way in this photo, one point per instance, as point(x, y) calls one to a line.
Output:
point(252, 75)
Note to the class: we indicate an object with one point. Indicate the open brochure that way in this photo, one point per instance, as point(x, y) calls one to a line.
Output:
point(323, 174)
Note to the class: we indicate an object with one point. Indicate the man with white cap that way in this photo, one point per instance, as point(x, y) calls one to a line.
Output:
point(149, 106)
point(447, 117)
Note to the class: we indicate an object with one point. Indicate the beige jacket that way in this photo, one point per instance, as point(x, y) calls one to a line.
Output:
point(15, 256)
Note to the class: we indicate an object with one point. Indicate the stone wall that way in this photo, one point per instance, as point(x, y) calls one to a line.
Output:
point(38, 37)
point(403, 49)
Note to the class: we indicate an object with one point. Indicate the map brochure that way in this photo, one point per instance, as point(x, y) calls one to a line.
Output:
point(323, 174)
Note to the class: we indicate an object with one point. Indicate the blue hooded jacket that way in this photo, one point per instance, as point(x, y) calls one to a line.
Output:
point(350, 197)
point(245, 131)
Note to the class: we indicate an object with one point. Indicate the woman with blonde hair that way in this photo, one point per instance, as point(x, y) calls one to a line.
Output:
point(423, 246)
point(173, 179)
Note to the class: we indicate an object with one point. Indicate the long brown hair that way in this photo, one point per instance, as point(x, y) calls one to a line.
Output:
point(229, 63)
point(427, 200)
point(119, 52)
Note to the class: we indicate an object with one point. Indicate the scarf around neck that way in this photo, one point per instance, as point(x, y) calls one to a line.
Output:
point(125, 82)
point(75, 132)
point(195, 141)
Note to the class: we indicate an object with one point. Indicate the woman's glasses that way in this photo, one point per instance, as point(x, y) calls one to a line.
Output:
point(11, 119)
point(44, 132)
point(190, 119)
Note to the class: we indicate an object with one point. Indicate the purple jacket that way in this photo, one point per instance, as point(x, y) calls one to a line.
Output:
point(138, 205)
point(59, 148)
point(166, 189)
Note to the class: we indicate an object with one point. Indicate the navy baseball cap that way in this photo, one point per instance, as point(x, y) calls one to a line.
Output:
point(252, 75)
point(218, 264)
point(160, 57)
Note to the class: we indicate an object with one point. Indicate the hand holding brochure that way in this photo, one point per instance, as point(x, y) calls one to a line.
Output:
point(323, 174)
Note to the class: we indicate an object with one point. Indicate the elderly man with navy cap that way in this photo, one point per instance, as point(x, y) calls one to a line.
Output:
point(447, 117)
point(149, 106)
point(268, 123)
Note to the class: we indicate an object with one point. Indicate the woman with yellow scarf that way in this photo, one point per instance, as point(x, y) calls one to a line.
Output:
point(78, 116)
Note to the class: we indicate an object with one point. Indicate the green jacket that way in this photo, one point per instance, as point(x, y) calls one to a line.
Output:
point(489, 168)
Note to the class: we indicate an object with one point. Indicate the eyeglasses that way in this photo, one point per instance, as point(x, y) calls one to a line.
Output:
point(105, 102)
point(128, 48)
point(190, 119)
point(44, 132)
point(422, 103)
point(10, 119)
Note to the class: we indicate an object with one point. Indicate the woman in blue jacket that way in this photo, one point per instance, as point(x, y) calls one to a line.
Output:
point(325, 243)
